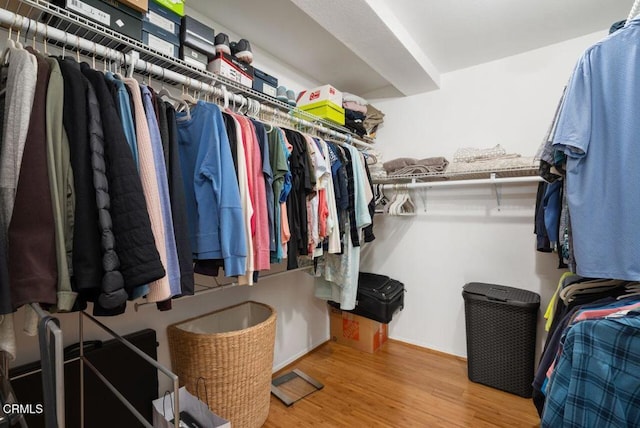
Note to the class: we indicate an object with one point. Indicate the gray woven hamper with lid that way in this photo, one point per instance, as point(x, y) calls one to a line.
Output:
point(501, 336)
point(225, 358)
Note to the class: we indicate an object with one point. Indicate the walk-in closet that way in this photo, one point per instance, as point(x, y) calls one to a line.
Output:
point(288, 213)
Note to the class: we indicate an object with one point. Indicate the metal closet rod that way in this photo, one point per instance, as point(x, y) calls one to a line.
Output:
point(14, 20)
point(455, 183)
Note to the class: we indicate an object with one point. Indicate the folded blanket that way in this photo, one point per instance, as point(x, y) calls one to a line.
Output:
point(351, 105)
point(493, 165)
point(346, 96)
point(472, 154)
point(403, 166)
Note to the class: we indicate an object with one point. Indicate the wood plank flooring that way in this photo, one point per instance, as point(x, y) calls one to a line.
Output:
point(399, 386)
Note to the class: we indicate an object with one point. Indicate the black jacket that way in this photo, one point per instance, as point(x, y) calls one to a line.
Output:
point(112, 293)
point(139, 259)
point(87, 271)
point(297, 200)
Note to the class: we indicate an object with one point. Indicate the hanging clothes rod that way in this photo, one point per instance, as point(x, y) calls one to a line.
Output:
point(13, 20)
point(457, 183)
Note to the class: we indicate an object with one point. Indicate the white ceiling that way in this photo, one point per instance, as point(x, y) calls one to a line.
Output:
point(400, 47)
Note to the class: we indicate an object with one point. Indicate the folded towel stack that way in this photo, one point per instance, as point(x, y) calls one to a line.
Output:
point(407, 166)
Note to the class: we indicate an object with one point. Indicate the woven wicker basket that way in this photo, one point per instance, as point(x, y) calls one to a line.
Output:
point(231, 350)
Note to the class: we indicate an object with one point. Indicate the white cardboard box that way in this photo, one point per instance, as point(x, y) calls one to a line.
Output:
point(229, 67)
point(321, 93)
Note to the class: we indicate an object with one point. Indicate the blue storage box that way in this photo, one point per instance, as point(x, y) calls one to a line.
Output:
point(265, 83)
point(162, 46)
point(161, 33)
point(164, 18)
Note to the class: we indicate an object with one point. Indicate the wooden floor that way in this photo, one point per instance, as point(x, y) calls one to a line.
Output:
point(399, 386)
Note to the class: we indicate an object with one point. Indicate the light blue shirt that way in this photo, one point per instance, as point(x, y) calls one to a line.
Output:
point(599, 130)
point(173, 268)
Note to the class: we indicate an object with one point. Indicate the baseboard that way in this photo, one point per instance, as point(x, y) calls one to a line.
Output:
point(429, 350)
point(426, 347)
point(299, 355)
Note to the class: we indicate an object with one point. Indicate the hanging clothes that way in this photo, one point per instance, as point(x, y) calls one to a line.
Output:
point(111, 279)
point(211, 188)
point(172, 266)
point(599, 137)
point(337, 279)
point(280, 168)
point(18, 84)
point(61, 185)
point(257, 190)
point(140, 261)
point(238, 152)
point(160, 289)
point(123, 103)
point(297, 200)
point(86, 257)
point(178, 204)
point(33, 270)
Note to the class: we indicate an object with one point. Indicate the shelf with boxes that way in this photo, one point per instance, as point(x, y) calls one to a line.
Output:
point(101, 32)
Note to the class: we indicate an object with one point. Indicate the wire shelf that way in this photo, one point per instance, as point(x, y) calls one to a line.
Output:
point(481, 173)
point(77, 26)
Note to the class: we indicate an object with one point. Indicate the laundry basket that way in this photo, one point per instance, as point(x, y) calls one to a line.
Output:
point(501, 336)
point(230, 351)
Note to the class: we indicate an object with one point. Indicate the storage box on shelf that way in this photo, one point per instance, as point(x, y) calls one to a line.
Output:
point(110, 13)
point(159, 44)
point(326, 110)
point(176, 6)
point(198, 36)
point(321, 93)
point(163, 40)
point(265, 83)
point(163, 18)
point(193, 57)
point(139, 5)
point(232, 68)
point(75, 24)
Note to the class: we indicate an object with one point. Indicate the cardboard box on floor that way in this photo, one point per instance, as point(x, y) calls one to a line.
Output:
point(356, 331)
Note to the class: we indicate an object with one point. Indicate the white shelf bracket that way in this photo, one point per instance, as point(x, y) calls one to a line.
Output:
point(498, 189)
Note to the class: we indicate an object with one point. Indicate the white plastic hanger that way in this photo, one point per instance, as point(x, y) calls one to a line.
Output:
point(164, 93)
point(11, 44)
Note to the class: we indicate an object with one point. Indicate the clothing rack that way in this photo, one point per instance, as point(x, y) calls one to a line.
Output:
point(50, 336)
point(85, 361)
point(177, 72)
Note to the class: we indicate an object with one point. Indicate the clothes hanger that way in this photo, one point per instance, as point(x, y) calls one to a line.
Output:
point(33, 40)
point(186, 96)
point(408, 208)
point(93, 58)
point(164, 93)
point(45, 40)
point(11, 44)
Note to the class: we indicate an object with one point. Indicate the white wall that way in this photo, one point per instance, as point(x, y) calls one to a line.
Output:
point(462, 236)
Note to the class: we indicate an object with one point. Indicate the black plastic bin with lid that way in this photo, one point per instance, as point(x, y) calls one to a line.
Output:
point(501, 336)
